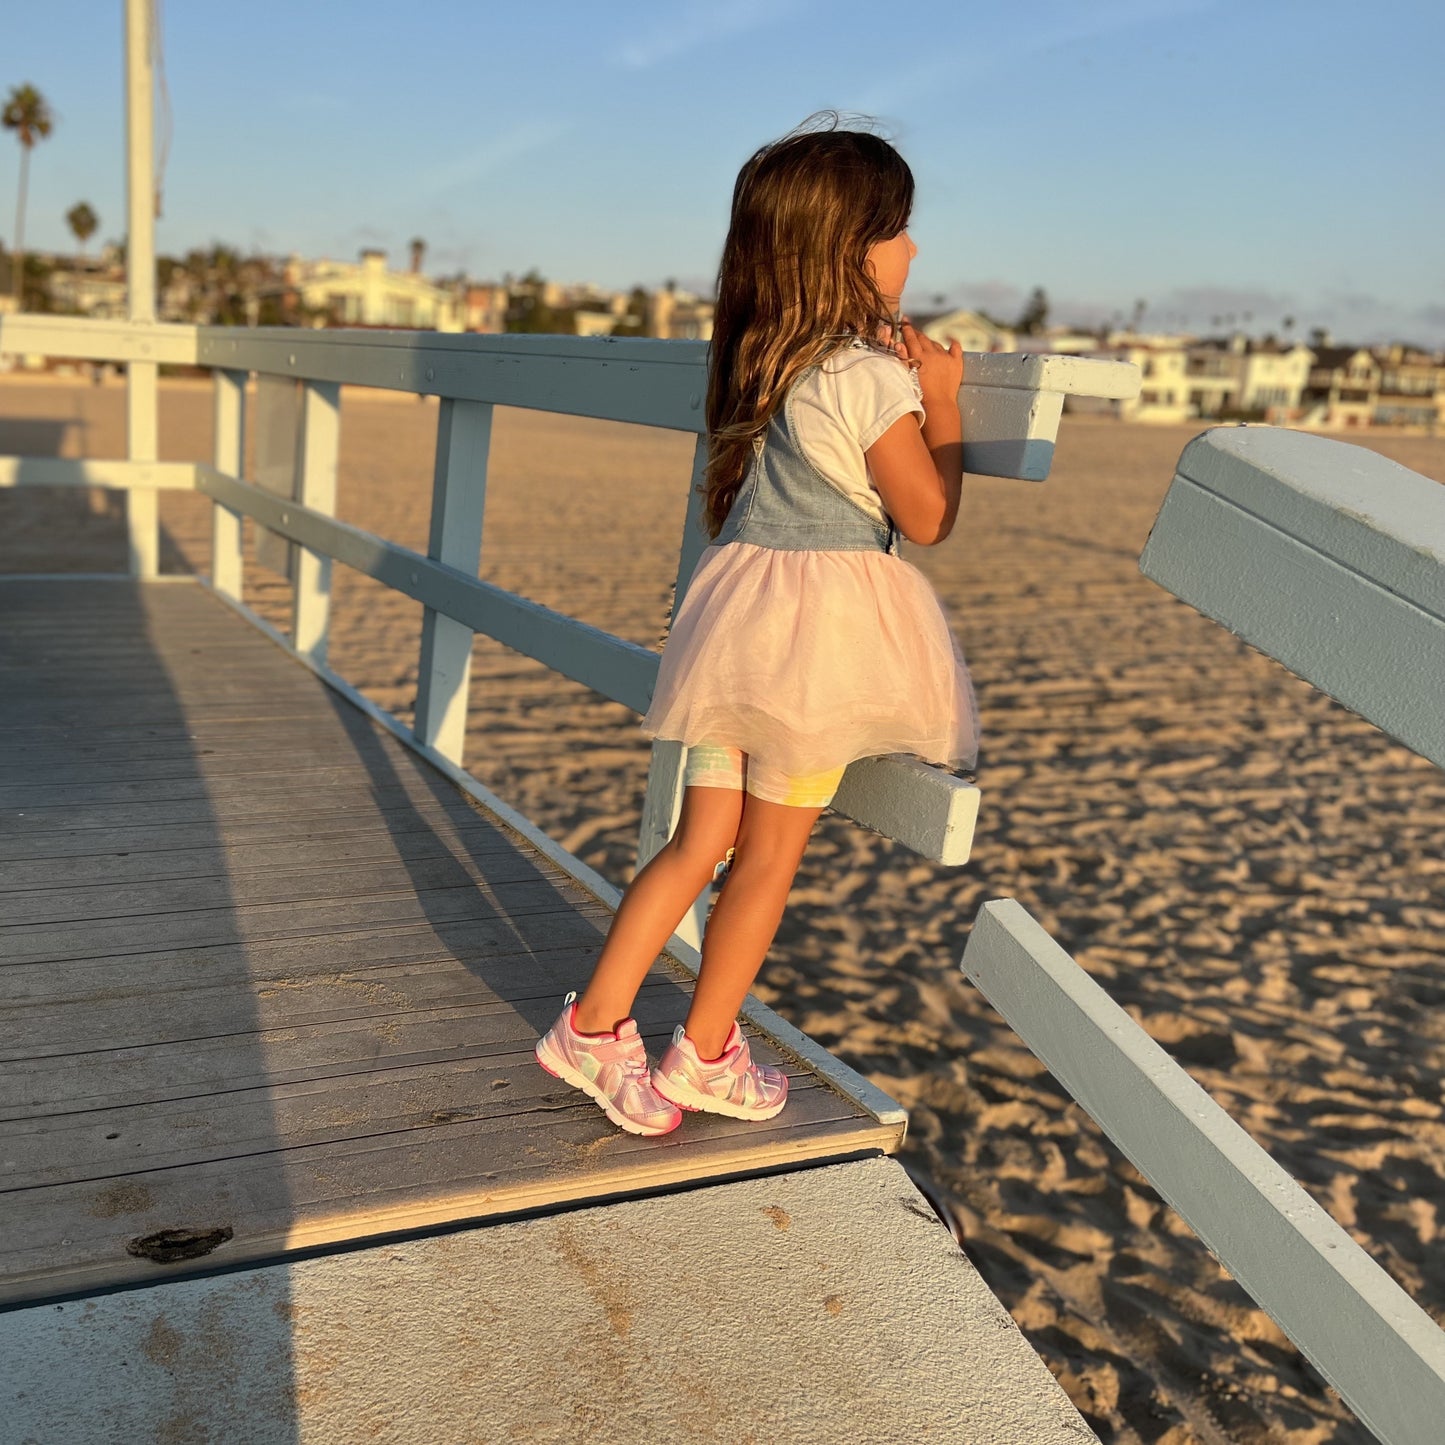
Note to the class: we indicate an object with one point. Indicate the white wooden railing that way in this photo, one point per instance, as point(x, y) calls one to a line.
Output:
point(1331, 559)
point(1011, 406)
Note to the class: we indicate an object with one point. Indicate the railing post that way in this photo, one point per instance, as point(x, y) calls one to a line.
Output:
point(230, 413)
point(316, 488)
point(459, 490)
point(662, 801)
point(142, 513)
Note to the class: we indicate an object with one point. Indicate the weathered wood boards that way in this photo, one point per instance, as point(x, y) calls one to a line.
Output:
point(1327, 557)
point(269, 979)
point(1382, 1352)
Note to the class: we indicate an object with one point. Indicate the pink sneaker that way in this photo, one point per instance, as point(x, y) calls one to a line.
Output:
point(611, 1068)
point(733, 1084)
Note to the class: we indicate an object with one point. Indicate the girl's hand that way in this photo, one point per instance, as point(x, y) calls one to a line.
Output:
point(918, 468)
point(939, 368)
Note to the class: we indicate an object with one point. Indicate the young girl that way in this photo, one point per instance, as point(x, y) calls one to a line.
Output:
point(804, 641)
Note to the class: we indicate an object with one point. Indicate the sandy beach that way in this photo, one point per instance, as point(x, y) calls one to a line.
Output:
point(1250, 869)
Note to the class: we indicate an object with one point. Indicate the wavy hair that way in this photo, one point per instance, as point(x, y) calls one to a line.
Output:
point(794, 284)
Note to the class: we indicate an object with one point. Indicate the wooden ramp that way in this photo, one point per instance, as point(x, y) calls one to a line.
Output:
point(270, 981)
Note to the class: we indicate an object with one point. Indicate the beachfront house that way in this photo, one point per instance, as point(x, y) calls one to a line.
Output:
point(1412, 387)
point(1272, 378)
point(976, 332)
point(1239, 376)
point(1343, 387)
point(1163, 363)
point(367, 293)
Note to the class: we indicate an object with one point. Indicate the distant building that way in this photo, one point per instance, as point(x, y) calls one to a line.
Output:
point(1412, 387)
point(1163, 365)
point(675, 315)
point(972, 331)
point(90, 287)
point(1343, 387)
point(1273, 377)
point(1238, 376)
point(366, 293)
point(484, 306)
point(1061, 341)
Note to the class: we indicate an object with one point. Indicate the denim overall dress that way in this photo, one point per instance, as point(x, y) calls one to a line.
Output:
point(804, 639)
point(786, 503)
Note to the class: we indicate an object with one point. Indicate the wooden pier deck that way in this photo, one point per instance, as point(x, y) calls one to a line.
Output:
point(272, 982)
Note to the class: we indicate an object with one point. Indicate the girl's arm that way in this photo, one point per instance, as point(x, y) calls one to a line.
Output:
point(918, 468)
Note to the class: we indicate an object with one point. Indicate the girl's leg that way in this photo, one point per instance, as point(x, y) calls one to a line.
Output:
point(655, 902)
point(771, 838)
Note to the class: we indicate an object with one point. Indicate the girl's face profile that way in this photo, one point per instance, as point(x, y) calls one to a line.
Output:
point(888, 261)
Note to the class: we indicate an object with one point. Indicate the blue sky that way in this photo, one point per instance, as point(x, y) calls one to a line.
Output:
point(1280, 157)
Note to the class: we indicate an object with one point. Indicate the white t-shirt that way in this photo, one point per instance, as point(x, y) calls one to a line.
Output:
point(840, 409)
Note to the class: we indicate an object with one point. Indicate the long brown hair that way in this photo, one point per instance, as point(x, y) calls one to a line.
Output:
point(794, 284)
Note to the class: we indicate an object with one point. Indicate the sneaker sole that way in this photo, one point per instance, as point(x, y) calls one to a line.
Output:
point(560, 1069)
point(686, 1097)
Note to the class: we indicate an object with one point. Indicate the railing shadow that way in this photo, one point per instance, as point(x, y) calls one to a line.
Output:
point(513, 924)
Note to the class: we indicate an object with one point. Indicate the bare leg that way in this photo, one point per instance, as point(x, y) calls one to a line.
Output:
point(655, 902)
point(771, 839)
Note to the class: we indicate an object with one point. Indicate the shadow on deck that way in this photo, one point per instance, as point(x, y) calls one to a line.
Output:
point(271, 982)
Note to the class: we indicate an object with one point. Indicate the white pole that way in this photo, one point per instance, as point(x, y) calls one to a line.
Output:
point(140, 275)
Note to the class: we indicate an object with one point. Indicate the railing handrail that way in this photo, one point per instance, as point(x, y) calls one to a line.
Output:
point(630, 379)
point(1365, 1335)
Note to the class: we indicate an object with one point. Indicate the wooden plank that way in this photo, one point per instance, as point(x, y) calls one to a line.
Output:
point(122, 475)
point(1358, 508)
point(318, 448)
point(345, 788)
point(342, 773)
point(122, 837)
point(1325, 556)
point(142, 428)
point(243, 746)
point(1382, 1352)
point(654, 383)
point(277, 431)
point(68, 770)
point(105, 1009)
point(228, 455)
point(226, 859)
point(617, 669)
point(212, 927)
point(319, 881)
point(927, 809)
point(270, 1082)
point(319, 1108)
point(86, 339)
point(459, 489)
point(360, 961)
point(1010, 403)
point(431, 1174)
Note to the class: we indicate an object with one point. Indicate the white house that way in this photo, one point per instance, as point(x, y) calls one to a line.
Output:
point(366, 293)
point(1163, 364)
point(975, 332)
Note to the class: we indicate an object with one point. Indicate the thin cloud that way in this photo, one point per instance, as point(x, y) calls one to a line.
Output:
point(494, 153)
point(1079, 24)
point(697, 25)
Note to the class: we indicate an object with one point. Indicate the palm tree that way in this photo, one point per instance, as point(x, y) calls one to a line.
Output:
point(27, 113)
point(82, 222)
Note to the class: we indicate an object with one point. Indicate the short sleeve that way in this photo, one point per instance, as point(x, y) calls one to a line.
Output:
point(842, 407)
point(871, 390)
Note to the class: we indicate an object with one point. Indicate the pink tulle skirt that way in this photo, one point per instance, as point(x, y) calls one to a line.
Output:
point(810, 660)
